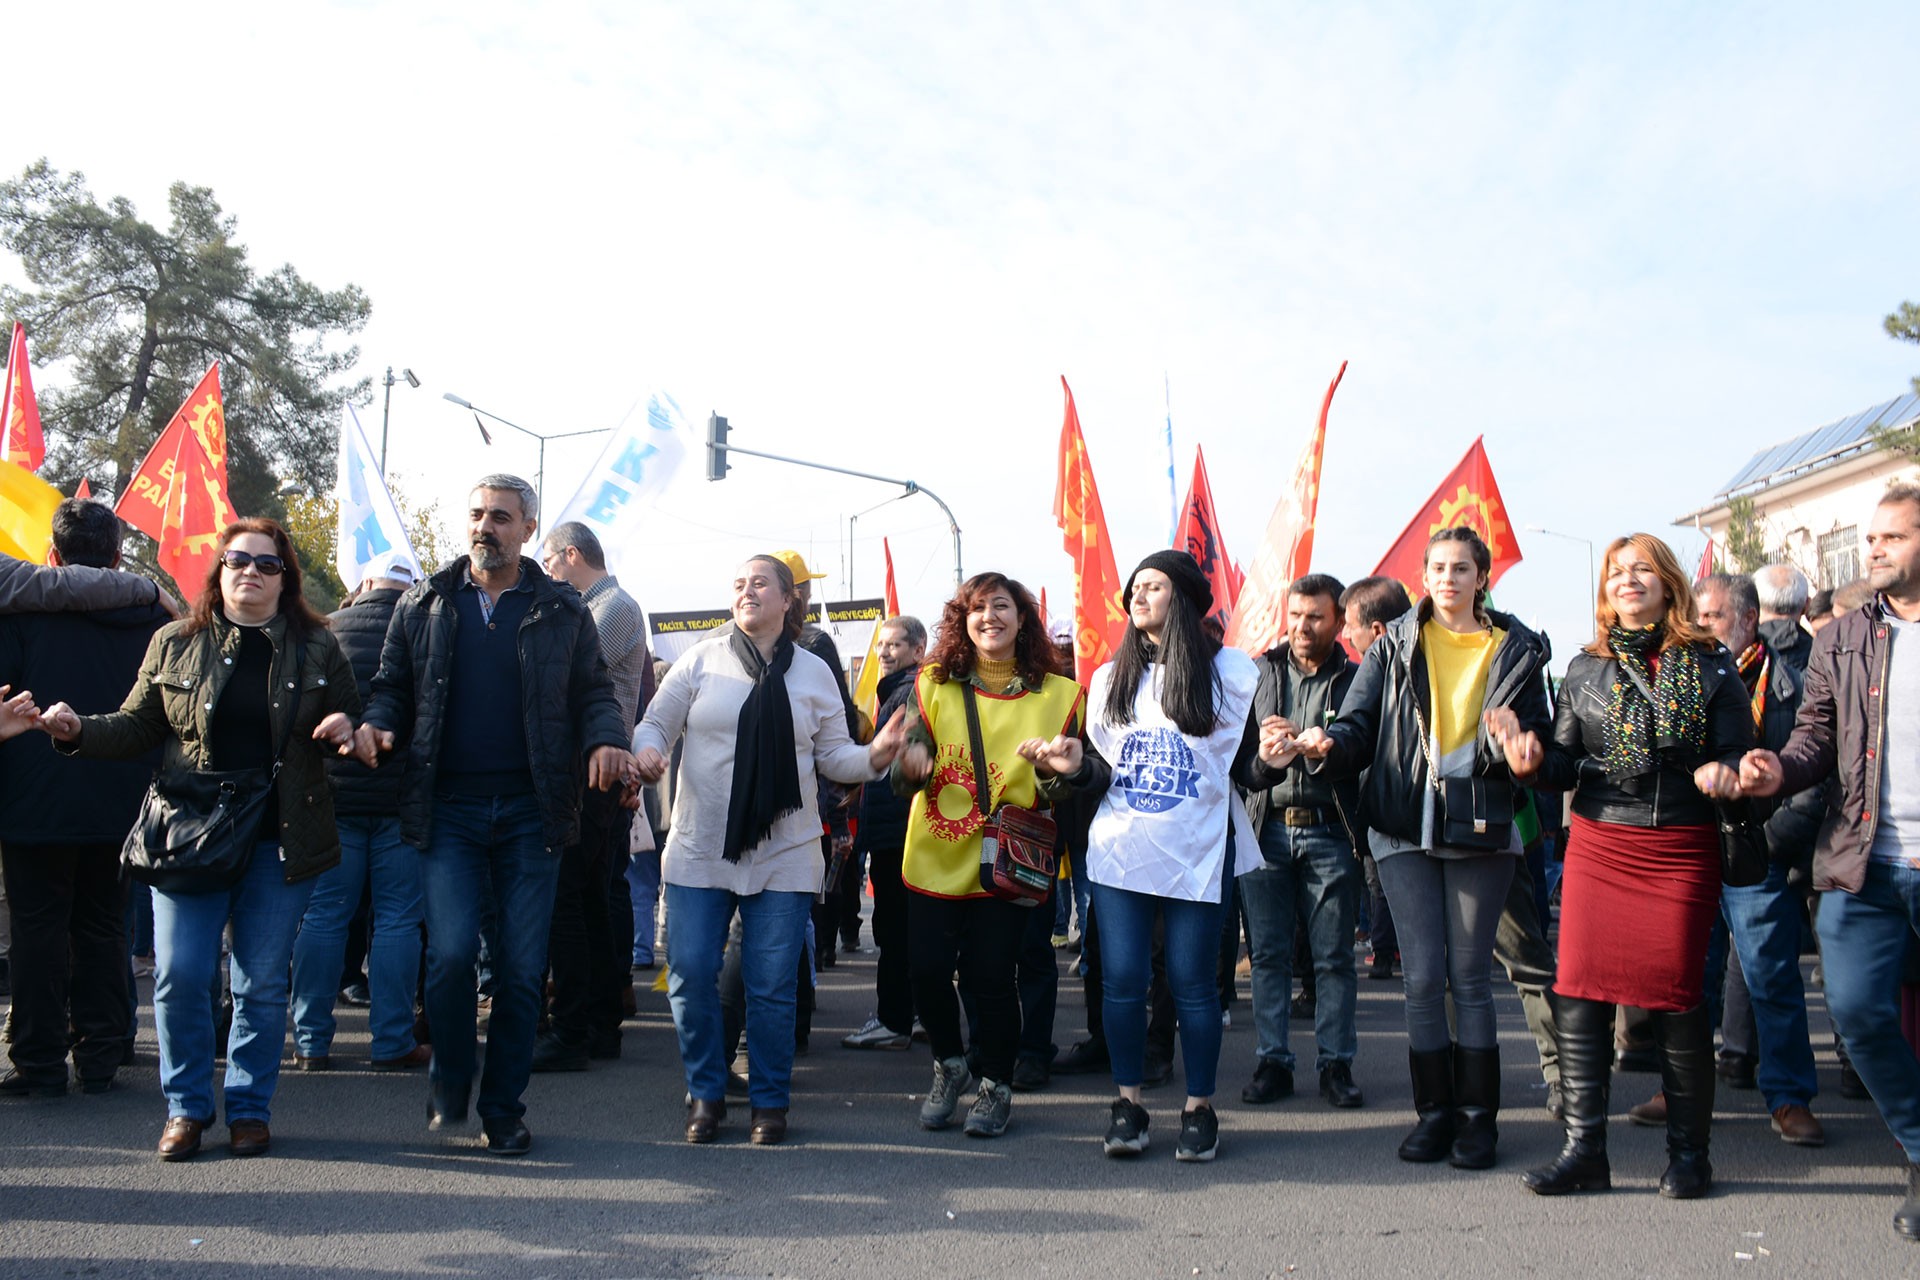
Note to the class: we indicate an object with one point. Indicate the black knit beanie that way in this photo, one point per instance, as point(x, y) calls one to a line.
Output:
point(1184, 571)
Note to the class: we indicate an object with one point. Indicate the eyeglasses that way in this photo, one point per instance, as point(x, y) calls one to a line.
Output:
point(270, 566)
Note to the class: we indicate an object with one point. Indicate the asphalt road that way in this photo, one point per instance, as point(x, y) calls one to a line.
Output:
point(356, 1187)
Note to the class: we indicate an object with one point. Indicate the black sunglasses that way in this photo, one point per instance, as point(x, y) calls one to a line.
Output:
point(271, 566)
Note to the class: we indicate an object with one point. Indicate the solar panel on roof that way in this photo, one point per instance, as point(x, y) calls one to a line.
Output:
point(1823, 442)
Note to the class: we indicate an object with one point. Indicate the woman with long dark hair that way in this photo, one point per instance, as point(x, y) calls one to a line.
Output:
point(1649, 728)
point(1439, 803)
point(991, 662)
point(216, 692)
point(1170, 717)
point(762, 718)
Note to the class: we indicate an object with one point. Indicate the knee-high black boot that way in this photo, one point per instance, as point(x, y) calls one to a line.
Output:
point(1432, 1137)
point(1686, 1075)
point(1585, 1033)
point(1476, 1107)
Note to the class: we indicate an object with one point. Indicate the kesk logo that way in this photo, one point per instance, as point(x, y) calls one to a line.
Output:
point(1156, 771)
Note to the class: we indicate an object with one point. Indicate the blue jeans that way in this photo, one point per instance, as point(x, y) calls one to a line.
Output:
point(487, 849)
point(1447, 912)
point(1863, 950)
point(643, 881)
point(1311, 878)
point(265, 911)
point(1765, 923)
point(1126, 959)
point(773, 931)
point(370, 849)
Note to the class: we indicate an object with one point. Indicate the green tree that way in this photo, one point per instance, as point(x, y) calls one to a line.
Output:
point(313, 523)
point(1904, 324)
point(1746, 539)
point(137, 313)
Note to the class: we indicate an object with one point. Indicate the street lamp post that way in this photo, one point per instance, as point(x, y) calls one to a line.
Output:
point(540, 477)
point(386, 412)
point(1592, 590)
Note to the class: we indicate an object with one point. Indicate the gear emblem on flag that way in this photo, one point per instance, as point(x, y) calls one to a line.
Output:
point(1469, 508)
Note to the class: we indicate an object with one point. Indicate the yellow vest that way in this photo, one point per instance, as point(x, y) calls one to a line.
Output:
point(943, 827)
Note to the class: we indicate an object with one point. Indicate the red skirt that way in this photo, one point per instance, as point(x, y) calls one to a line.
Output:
point(1636, 906)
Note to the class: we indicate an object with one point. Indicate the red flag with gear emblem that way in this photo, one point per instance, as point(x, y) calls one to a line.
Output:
point(178, 494)
point(1198, 534)
point(1468, 496)
point(1098, 619)
point(21, 439)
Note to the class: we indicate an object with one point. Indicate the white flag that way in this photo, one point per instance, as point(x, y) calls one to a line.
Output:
point(637, 463)
point(373, 539)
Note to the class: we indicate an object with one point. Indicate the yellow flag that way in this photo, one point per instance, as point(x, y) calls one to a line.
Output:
point(26, 513)
point(866, 694)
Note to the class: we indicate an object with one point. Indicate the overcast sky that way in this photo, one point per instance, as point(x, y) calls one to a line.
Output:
point(1629, 243)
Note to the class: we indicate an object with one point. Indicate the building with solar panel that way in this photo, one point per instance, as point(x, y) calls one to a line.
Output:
point(1813, 495)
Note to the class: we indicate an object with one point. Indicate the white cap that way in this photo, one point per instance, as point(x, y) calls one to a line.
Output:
point(392, 564)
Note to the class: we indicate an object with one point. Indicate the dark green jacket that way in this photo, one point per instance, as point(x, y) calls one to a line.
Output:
point(171, 706)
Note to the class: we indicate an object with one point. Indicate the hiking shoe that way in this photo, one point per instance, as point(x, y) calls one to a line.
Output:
point(875, 1034)
point(1127, 1132)
point(991, 1110)
point(1199, 1136)
point(1337, 1086)
point(1271, 1082)
point(950, 1079)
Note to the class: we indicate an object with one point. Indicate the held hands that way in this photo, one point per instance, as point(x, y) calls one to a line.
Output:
point(649, 765)
point(608, 767)
point(888, 742)
point(1062, 756)
point(1314, 744)
point(59, 721)
point(914, 762)
point(1760, 774)
point(368, 744)
point(17, 713)
point(1716, 781)
point(1520, 746)
point(338, 730)
point(1277, 742)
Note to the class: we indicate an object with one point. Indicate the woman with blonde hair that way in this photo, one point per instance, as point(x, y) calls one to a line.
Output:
point(1649, 728)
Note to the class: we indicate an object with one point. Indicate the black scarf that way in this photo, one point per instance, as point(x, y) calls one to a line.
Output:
point(1676, 721)
point(766, 775)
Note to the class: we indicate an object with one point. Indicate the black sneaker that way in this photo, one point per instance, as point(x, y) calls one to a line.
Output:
point(1851, 1085)
point(1083, 1058)
point(1199, 1136)
point(15, 1085)
point(1030, 1075)
point(1337, 1086)
point(551, 1053)
point(1271, 1082)
point(1157, 1072)
point(1304, 1007)
point(1737, 1069)
point(1127, 1132)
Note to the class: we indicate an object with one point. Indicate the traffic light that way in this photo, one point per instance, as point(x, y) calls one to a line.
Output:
point(716, 447)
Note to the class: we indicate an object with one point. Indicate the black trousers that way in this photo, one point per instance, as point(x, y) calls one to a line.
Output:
point(1037, 976)
point(69, 959)
point(980, 938)
point(587, 973)
point(893, 983)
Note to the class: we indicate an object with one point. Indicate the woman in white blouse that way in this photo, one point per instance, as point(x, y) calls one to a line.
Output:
point(760, 715)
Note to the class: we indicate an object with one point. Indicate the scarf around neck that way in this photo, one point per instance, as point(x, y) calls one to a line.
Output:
point(766, 774)
point(1756, 672)
point(1676, 720)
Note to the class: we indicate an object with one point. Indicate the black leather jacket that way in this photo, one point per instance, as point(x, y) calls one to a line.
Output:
point(1389, 707)
point(1665, 797)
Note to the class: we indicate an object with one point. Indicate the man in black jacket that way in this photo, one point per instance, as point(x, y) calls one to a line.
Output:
point(1782, 592)
point(1311, 877)
point(367, 806)
point(491, 679)
point(883, 838)
point(62, 823)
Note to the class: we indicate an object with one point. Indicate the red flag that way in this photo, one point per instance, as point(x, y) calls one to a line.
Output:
point(1199, 534)
point(1098, 620)
point(1706, 563)
point(1046, 614)
point(21, 441)
point(893, 592)
point(178, 495)
point(1260, 610)
point(85, 490)
point(1467, 496)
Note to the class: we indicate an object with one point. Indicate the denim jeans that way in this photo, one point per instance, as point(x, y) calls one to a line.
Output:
point(773, 937)
point(1764, 920)
point(371, 851)
point(187, 927)
point(1863, 951)
point(1448, 911)
point(1126, 957)
point(486, 849)
point(1310, 879)
point(643, 880)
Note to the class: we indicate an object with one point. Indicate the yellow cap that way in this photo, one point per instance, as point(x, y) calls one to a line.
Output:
point(792, 560)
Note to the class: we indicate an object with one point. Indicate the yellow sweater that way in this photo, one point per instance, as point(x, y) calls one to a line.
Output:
point(1457, 667)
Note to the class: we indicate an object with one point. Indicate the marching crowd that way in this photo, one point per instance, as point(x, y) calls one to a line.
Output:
point(487, 768)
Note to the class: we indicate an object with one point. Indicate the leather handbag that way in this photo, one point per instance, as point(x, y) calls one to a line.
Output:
point(197, 828)
point(1474, 813)
point(1016, 843)
point(1744, 860)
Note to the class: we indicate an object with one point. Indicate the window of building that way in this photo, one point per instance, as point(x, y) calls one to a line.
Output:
point(1839, 557)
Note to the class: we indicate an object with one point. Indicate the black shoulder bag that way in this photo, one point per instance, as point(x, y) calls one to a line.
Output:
point(1016, 843)
point(198, 827)
point(1743, 840)
point(1473, 812)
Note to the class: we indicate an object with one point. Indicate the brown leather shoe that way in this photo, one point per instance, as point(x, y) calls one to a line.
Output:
point(318, 1062)
point(180, 1140)
point(769, 1126)
point(1652, 1112)
point(413, 1059)
point(703, 1119)
point(248, 1137)
point(1797, 1125)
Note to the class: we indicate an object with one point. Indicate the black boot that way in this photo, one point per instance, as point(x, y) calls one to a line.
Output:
point(1907, 1220)
point(1585, 1033)
point(1432, 1138)
point(1686, 1075)
point(1476, 1105)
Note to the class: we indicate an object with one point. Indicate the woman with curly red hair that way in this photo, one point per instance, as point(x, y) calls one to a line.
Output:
point(992, 661)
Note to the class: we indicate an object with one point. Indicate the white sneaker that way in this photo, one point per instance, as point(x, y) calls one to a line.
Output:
point(876, 1034)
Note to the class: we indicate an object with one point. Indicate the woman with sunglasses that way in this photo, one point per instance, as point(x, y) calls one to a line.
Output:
point(216, 692)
